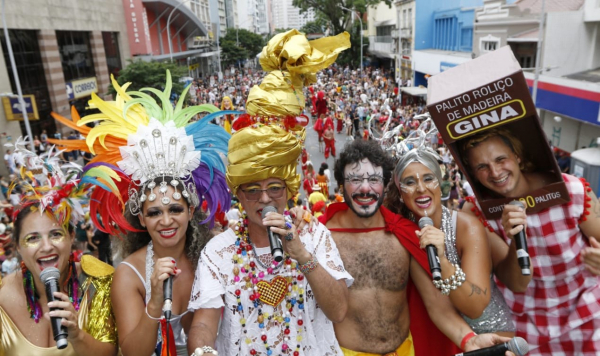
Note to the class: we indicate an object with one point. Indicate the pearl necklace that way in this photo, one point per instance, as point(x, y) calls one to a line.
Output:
point(248, 276)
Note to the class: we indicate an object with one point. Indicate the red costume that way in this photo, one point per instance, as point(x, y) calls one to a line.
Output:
point(427, 338)
point(321, 104)
point(329, 142)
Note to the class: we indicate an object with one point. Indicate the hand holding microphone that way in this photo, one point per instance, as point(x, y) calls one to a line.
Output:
point(432, 251)
point(516, 345)
point(51, 277)
point(514, 222)
point(274, 238)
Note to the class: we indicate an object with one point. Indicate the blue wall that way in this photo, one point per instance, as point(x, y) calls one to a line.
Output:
point(454, 30)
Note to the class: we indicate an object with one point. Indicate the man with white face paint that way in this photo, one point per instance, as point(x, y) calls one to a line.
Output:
point(381, 251)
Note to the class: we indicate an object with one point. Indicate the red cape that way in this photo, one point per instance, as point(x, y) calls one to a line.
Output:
point(427, 338)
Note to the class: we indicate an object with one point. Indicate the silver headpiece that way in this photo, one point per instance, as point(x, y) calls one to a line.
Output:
point(159, 151)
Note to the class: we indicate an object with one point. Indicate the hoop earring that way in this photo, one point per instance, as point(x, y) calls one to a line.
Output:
point(33, 305)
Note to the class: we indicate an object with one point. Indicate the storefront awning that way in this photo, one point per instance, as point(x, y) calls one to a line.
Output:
point(183, 18)
point(415, 91)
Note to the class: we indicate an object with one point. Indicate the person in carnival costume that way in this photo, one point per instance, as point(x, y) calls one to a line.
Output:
point(461, 242)
point(226, 104)
point(270, 307)
point(558, 311)
point(52, 204)
point(382, 252)
point(155, 169)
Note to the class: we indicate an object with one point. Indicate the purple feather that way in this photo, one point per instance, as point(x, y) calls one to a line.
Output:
point(215, 193)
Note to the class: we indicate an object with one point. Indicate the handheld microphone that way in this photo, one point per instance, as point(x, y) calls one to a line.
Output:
point(516, 345)
point(274, 239)
point(50, 276)
point(432, 257)
point(168, 297)
point(521, 244)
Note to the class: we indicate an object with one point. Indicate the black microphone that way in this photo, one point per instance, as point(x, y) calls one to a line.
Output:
point(50, 276)
point(168, 297)
point(434, 260)
point(516, 345)
point(521, 241)
point(274, 239)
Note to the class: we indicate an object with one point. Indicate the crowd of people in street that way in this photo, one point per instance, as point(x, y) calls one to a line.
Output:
point(163, 247)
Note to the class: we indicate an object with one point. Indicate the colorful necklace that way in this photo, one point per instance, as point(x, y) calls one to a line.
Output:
point(248, 276)
point(33, 304)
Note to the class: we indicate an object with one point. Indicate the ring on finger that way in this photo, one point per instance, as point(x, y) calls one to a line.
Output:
point(289, 236)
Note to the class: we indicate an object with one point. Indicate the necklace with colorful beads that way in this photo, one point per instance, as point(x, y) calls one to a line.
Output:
point(247, 274)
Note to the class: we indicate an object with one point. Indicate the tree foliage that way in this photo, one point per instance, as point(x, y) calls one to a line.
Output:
point(242, 38)
point(341, 20)
point(319, 25)
point(231, 54)
point(150, 74)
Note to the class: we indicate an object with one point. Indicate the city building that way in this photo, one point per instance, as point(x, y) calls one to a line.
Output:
point(253, 16)
point(405, 19)
point(443, 36)
point(381, 28)
point(172, 30)
point(287, 16)
point(568, 86)
point(64, 51)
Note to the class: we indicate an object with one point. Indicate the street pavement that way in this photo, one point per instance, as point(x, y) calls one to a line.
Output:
point(316, 157)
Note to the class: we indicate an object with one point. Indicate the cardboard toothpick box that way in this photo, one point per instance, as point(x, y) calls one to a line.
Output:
point(490, 93)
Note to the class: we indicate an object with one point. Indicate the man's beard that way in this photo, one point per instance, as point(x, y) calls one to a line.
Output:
point(362, 213)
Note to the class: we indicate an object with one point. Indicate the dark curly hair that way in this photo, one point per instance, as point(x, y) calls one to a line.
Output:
point(196, 235)
point(358, 150)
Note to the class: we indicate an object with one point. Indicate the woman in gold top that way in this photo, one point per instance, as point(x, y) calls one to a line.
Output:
point(51, 203)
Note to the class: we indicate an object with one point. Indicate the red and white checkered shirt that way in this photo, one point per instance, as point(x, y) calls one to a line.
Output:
point(559, 314)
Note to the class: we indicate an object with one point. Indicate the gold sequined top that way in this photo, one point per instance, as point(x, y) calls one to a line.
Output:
point(95, 315)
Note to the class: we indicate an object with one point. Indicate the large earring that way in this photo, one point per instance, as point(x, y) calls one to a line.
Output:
point(73, 283)
point(33, 305)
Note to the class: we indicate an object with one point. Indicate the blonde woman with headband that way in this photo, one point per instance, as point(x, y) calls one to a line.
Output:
point(460, 239)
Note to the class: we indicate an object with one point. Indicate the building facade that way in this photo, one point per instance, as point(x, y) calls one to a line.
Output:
point(63, 53)
point(383, 35)
point(405, 20)
point(568, 86)
point(286, 15)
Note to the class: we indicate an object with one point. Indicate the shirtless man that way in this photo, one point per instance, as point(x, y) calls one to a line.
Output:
point(382, 253)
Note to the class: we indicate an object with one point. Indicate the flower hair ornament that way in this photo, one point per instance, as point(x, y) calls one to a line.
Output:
point(50, 184)
point(142, 147)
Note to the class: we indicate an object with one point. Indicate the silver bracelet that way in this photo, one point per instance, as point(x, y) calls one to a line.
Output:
point(201, 350)
point(449, 284)
point(150, 316)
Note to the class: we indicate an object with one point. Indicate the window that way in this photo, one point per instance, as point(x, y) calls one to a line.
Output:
point(489, 46)
point(409, 18)
point(404, 22)
point(113, 54)
point(75, 54)
point(445, 36)
point(31, 76)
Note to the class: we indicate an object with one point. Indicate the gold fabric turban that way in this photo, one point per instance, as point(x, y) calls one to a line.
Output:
point(264, 152)
point(259, 152)
point(293, 62)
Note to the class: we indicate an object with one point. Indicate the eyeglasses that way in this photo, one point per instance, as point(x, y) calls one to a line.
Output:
point(273, 192)
point(372, 180)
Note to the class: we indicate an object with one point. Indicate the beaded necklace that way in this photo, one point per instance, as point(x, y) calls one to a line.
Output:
point(247, 274)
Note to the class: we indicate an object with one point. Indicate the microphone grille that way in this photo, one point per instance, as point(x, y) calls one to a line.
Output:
point(518, 346)
point(268, 209)
point(517, 203)
point(425, 221)
point(50, 273)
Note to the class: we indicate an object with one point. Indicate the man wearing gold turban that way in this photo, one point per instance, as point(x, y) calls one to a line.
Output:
point(270, 301)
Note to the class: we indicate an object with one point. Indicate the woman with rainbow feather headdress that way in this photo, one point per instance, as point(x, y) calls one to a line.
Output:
point(52, 203)
point(154, 169)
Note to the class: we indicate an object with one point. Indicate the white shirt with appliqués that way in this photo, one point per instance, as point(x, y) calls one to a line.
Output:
point(214, 287)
